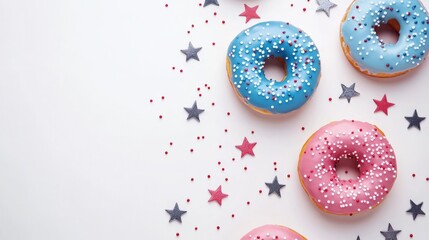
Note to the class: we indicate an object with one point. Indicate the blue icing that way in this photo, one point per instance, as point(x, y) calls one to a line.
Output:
point(373, 55)
point(247, 54)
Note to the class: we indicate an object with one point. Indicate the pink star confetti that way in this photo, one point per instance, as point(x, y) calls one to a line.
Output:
point(250, 12)
point(246, 148)
point(383, 105)
point(217, 195)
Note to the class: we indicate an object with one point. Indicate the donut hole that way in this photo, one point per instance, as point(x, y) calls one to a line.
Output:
point(388, 33)
point(347, 168)
point(275, 69)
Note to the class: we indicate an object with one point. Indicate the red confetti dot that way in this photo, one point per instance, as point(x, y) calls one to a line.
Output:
point(208, 176)
point(330, 99)
point(223, 22)
point(213, 43)
point(303, 128)
point(177, 234)
point(160, 116)
point(195, 228)
point(191, 150)
point(411, 235)
point(171, 143)
point(228, 113)
point(288, 176)
point(213, 103)
point(166, 153)
point(219, 163)
point(248, 203)
point(245, 168)
point(304, 9)
point(166, 5)
point(226, 130)
point(220, 146)
point(215, 13)
point(252, 132)
point(275, 163)
point(414, 175)
point(162, 97)
point(181, 70)
point(275, 169)
point(232, 215)
point(207, 21)
point(260, 191)
point(217, 227)
point(188, 200)
point(192, 179)
point(226, 179)
point(151, 101)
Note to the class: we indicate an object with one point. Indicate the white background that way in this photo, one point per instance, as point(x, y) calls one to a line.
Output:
point(82, 148)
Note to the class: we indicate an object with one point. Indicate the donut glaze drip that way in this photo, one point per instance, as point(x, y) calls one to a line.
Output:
point(372, 55)
point(246, 58)
point(357, 141)
point(269, 232)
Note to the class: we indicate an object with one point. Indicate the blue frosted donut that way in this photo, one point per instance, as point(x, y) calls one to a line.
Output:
point(372, 56)
point(246, 57)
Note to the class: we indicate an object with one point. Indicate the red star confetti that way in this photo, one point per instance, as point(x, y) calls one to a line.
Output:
point(217, 195)
point(246, 148)
point(250, 13)
point(383, 105)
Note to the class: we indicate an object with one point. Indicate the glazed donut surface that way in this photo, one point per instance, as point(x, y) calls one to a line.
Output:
point(246, 57)
point(371, 55)
point(269, 232)
point(356, 141)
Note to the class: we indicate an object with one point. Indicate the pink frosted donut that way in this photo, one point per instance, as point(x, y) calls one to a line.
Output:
point(360, 141)
point(269, 232)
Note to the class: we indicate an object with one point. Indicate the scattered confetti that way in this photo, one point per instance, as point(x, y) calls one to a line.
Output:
point(390, 234)
point(275, 187)
point(191, 52)
point(246, 148)
point(383, 105)
point(349, 92)
point(416, 209)
point(209, 2)
point(250, 13)
point(176, 213)
point(325, 5)
point(217, 195)
point(415, 120)
point(194, 112)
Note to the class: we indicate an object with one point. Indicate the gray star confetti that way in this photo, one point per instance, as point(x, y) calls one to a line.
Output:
point(415, 209)
point(275, 187)
point(194, 112)
point(349, 92)
point(415, 120)
point(208, 2)
point(176, 213)
point(325, 5)
point(358, 238)
point(391, 233)
point(191, 52)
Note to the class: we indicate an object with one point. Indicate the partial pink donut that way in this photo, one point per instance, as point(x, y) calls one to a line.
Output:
point(269, 232)
point(352, 139)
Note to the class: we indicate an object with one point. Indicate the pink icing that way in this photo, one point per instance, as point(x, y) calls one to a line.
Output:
point(361, 141)
point(272, 232)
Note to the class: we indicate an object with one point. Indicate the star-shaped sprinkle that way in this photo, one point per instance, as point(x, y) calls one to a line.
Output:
point(194, 112)
point(349, 92)
point(416, 209)
point(325, 5)
point(217, 195)
point(191, 52)
point(246, 148)
point(250, 12)
point(390, 234)
point(415, 120)
point(275, 187)
point(383, 105)
point(208, 2)
point(176, 213)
